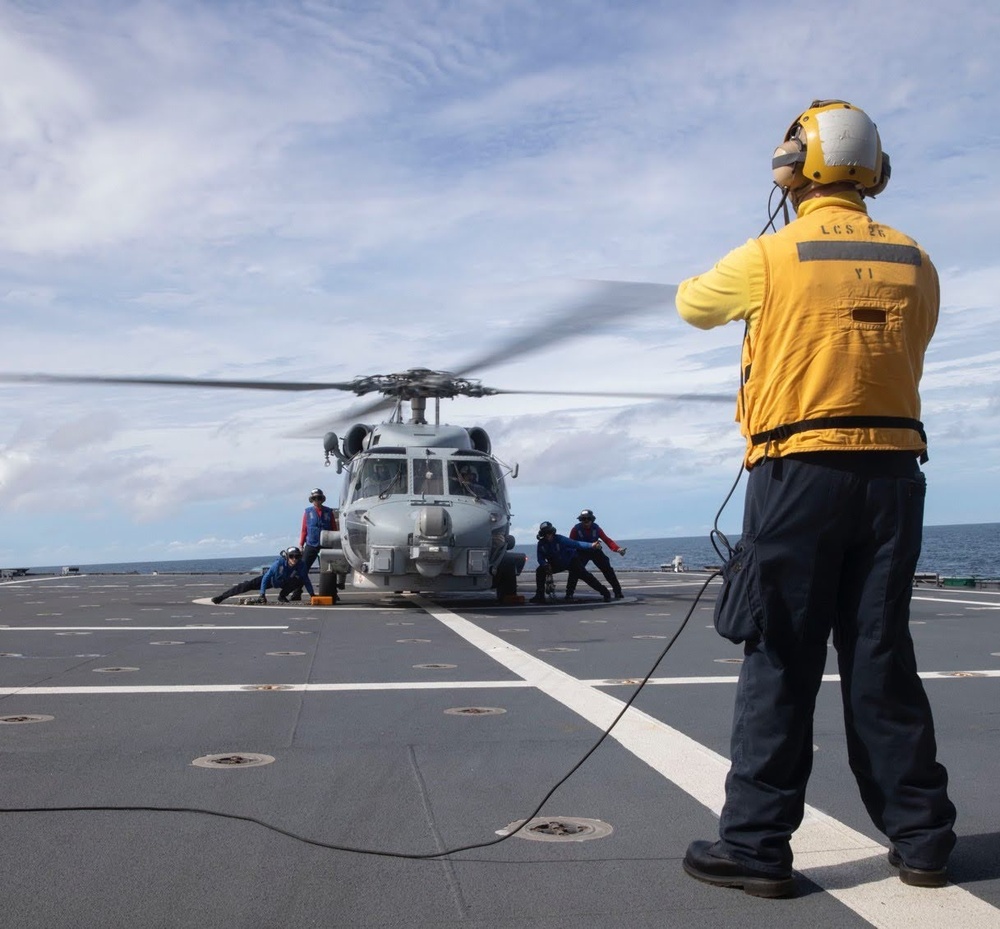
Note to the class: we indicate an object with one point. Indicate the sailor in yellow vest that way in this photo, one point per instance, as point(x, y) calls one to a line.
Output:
point(838, 310)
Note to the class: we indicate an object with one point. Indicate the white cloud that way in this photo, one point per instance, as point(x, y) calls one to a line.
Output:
point(303, 191)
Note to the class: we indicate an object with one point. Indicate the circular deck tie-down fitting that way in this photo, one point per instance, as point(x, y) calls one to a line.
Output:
point(559, 829)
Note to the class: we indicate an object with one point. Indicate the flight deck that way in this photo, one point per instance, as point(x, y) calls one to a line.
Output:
point(398, 725)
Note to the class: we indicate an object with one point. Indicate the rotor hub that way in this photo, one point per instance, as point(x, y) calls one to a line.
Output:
point(420, 383)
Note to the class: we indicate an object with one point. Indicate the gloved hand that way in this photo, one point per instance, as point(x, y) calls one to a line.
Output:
point(622, 550)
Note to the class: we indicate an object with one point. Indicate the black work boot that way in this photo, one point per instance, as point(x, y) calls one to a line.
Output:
point(706, 861)
point(917, 877)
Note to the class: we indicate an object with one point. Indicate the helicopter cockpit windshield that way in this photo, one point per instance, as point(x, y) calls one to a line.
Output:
point(472, 479)
point(427, 477)
point(381, 477)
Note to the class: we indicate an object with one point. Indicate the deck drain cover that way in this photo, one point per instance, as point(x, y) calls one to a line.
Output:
point(593, 622)
point(515, 630)
point(559, 648)
point(475, 711)
point(284, 654)
point(298, 632)
point(21, 720)
point(72, 633)
point(728, 660)
point(11, 655)
point(559, 829)
point(432, 667)
point(649, 637)
point(412, 640)
point(233, 760)
point(266, 687)
point(113, 670)
point(167, 642)
point(963, 674)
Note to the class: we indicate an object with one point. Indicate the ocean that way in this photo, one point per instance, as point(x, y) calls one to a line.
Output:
point(951, 551)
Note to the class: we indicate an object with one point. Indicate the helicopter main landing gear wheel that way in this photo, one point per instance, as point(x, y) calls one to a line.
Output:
point(505, 579)
point(328, 584)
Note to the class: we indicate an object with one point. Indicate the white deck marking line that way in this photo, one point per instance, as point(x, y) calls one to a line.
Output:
point(130, 628)
point(949, 601)
point(726, 679)
point(664, 585)
point(348, 686)
point(838, 859)
point(98, 690)
point(36, 580)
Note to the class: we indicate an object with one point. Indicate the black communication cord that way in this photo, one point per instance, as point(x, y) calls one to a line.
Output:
point(380, 852)
point(782, 203)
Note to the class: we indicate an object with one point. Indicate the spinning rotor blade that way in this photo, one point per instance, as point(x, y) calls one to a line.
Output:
point(359, 413)
point(634, 395)
point(174, 382)
point(604, 301)
point(607, 300)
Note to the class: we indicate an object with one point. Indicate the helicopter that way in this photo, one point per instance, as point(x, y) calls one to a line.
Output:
point(424, 506)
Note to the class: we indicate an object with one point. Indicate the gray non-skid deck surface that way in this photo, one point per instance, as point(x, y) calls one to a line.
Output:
point(385, 767)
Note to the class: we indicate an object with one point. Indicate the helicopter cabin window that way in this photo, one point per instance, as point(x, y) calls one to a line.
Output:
point(427, 476)
point(381, 477)
point(471, 479)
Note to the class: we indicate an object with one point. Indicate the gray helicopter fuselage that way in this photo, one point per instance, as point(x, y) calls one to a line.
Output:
point(423, 507)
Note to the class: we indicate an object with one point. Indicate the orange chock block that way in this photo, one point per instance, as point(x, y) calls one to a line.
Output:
point(321, 601)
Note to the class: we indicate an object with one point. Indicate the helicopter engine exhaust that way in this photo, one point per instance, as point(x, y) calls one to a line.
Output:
point(480, 439)
point(356, 439)
point(431, 549)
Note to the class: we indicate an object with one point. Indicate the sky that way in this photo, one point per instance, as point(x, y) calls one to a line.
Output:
point(308, 190)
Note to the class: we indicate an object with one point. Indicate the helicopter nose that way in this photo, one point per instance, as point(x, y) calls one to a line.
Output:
point(431, 549)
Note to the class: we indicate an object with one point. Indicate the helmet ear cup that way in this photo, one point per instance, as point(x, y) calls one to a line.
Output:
point(786, 164)
point(883, 180)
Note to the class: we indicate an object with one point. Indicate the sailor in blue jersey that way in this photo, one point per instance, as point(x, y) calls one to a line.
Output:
point(557, 553)
point(288, 575)
point(316, 520)
point(587, 530)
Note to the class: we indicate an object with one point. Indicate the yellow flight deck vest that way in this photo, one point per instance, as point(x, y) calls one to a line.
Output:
point(835, 355)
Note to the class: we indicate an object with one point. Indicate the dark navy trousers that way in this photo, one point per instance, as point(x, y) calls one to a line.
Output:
point(577, 572)
point(253, 585)
point(830, 543)
point(600, 559)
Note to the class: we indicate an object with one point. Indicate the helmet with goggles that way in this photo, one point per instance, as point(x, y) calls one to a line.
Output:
point(545, 529)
